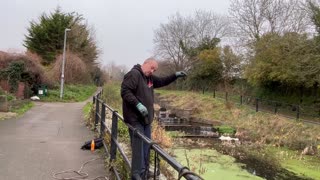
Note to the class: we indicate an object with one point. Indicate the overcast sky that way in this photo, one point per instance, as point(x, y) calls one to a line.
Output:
point(124, 28)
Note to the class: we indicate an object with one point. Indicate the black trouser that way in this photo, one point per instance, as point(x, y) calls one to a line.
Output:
point(140, 152)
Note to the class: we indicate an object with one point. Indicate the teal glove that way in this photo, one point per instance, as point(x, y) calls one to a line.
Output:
point(142, 109)
point(181, 74)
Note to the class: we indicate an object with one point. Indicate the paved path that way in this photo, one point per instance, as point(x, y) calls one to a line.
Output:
point(46, 139)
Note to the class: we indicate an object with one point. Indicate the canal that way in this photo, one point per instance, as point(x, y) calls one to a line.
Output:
point(198, 145)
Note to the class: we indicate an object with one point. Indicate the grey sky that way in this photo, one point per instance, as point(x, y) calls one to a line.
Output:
point(124, 28)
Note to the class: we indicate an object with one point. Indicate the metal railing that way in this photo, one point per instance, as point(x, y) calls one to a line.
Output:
point(111, 151)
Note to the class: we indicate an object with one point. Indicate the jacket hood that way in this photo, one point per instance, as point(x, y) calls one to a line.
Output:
point(138, 67)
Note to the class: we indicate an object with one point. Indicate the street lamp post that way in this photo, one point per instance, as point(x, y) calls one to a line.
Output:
point(63, 61)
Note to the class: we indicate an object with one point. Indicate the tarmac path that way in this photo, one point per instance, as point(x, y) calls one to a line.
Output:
point(46, 140)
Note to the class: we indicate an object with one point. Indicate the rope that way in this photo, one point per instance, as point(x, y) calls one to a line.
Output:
point(80, 175)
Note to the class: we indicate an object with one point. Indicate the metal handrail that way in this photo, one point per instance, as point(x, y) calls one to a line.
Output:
point(100, 119)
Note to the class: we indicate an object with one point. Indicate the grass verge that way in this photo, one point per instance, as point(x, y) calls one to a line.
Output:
point(72, 93)
point(23, 107)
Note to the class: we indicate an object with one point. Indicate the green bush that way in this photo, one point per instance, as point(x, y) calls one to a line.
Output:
point(224, 129)
point(10, 97)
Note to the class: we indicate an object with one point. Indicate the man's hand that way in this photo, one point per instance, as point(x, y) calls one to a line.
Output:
point(181, 74)
point(142, 109)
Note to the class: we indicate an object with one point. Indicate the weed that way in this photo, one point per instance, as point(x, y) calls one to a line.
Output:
point(160, 136)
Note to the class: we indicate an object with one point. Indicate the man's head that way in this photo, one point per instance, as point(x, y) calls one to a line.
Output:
point(149, 66)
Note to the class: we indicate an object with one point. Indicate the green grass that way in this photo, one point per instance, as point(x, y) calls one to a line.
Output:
point(23, 108)
point(86, 109)
point(72, 93)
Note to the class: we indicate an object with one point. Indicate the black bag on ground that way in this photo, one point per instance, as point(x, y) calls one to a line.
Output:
point(98, 143)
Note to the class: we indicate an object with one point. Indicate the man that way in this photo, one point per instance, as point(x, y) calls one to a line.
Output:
point(137, 94)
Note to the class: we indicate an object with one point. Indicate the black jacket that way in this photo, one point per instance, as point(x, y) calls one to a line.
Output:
point(135, 88)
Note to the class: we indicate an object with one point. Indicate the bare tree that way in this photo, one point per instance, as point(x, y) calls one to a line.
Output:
point(248, 17)
point(208, 24)
point(253, 18)
point(312, 8)
point(167, 40)
point(115, 72)
point(190, 31)
point(286, 16)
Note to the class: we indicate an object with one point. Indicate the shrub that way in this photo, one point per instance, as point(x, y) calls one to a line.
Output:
point(17, 67)
point(75, 70)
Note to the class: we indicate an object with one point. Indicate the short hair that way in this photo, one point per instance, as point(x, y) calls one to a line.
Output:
point(150, 59)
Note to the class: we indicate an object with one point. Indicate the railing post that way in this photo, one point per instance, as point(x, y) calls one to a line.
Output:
point(214, 93)
point(241, 99)
point(96, 120)
point(202, 90)
point(226, 96)
point(257, 104)
point(276, 108)
point(114, 136)
point(93, 99)
point(103, 119)
point(298, 112)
